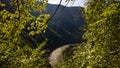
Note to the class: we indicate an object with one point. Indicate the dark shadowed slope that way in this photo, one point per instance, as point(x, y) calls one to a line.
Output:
point(64, 26)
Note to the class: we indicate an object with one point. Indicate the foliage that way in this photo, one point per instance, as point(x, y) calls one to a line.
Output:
point(15, 52)
point(102, 49)
point(13, 56)
point(103, 37)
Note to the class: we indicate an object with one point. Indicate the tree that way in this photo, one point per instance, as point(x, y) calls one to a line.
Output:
point(102, 49)
point(15, 52)
point(102, 35)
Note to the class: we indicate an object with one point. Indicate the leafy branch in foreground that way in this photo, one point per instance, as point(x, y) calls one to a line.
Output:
point(14, 51)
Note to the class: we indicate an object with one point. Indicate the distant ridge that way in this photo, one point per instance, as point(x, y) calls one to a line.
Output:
point(63, 28)
point(64, 5)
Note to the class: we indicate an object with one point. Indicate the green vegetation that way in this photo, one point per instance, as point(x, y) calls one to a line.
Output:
point(102, 49)
point(15, 52)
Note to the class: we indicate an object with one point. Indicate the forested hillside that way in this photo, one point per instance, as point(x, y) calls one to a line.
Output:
point(64, 27)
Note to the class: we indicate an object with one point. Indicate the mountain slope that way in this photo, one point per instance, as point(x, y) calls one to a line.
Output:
point(63, 28)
